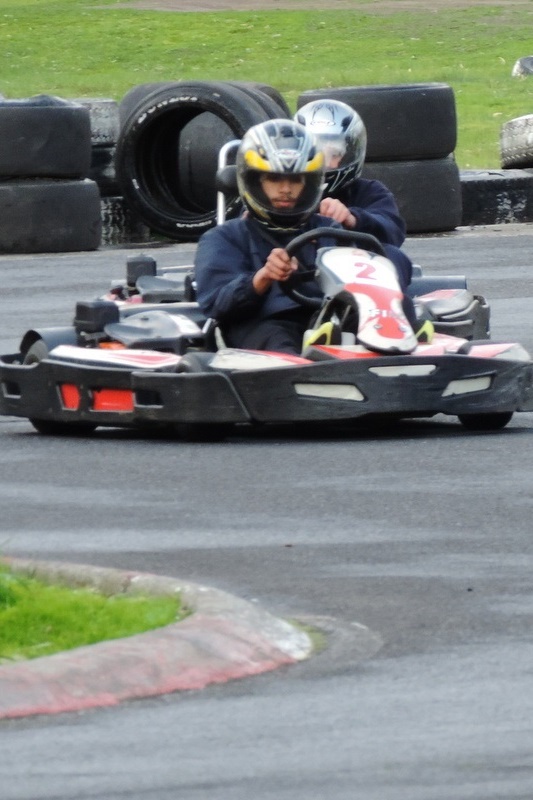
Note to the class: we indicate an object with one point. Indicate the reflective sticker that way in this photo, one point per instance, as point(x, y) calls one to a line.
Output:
point(112, 400)
point(331, 391)
point(70, 396)
point(467, 385)
point(413, 370)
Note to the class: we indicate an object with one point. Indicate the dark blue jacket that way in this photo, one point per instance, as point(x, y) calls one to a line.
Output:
point(228, 256)
point(376, 210)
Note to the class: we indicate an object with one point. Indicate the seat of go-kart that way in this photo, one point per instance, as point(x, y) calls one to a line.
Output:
point(456, 312)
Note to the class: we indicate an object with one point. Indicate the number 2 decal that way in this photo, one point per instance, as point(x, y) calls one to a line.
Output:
point(365, 270)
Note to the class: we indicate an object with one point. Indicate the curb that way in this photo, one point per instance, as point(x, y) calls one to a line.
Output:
point(224, 639)
point(497, 196)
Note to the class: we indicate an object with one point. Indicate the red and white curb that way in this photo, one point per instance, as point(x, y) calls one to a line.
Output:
point(224, 638)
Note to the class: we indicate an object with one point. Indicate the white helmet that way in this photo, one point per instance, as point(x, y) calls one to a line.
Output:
point(340, 132)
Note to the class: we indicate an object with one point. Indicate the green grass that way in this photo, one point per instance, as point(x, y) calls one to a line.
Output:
point(38, 619)
point(93, 48)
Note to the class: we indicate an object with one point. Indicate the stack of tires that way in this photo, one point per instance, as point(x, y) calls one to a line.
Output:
point(119, 224)
point(47, 202)
point(412, 135)
point(167, 149)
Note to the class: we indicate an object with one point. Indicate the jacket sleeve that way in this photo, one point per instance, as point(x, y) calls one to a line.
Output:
point(224, 272)
point(376, 212)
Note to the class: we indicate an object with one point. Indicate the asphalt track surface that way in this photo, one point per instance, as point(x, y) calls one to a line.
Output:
point(422, 536)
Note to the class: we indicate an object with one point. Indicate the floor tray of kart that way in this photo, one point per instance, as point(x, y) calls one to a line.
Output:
point(145, 364)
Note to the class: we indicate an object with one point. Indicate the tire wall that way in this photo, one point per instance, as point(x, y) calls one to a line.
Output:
point(48, 203)
point(152, 158)
point(412, 135)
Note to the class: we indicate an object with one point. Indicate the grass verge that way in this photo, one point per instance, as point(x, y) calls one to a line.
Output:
point(38, 619)
point(101, 48)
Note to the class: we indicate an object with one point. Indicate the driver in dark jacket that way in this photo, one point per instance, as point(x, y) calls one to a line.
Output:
point(357, 203)
point(240, 266)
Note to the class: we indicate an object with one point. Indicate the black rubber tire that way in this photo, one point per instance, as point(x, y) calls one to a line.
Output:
point(102, 170)
point(203, 432)
point(486, 422)
point(259, 91)
point(200, 143)
point(44, 137)
point(121, 226)
point(516, 142)
point(523, 67)
point(206, 133)
point(201, 140)
point(202, 137)
point(149, 156)
point(48, 427)
point(36, 353)
point(137, 95)
point(104, 118)
point(428, 192)
point(404, 122)
point(46, 216)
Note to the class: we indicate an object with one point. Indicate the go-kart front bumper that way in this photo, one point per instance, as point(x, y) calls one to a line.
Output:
point(324, 391)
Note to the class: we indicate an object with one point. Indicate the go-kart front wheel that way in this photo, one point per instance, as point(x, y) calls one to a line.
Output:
point(49, 427)
point(486, 422)
point(206, 432)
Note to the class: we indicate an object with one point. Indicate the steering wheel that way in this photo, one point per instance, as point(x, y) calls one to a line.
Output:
point(364, 240)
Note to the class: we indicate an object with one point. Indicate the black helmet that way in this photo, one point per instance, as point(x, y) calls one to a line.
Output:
point(340, 132)
point(279, 147)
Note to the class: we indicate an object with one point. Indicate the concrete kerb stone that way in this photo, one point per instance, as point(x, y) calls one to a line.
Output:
point(497, 196)
point(223, 639)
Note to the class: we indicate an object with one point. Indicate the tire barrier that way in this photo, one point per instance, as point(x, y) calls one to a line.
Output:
point(61, 190)
point(167, 149)
point(403, 123)
point(412, 134)
point(105, 127)
point(44, 137)
point(40, 215)
point(47, 201)
point(120, 226)
point(495, 197)
point(516, 142)
point(428, 192)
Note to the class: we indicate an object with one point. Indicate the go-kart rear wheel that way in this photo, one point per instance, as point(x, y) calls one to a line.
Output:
point(486, 422)
point(37, 352)
point(49, 427)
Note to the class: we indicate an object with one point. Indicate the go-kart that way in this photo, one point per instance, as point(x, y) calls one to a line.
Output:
point(144, 356)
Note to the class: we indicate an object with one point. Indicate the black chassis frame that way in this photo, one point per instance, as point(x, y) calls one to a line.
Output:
point(266, 395)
